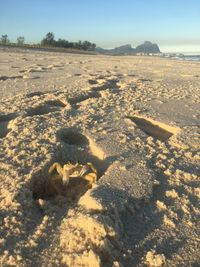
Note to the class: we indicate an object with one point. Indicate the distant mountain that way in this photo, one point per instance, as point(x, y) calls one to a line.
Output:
point(147, 47)
point(101, 50)
point(121, 50)
point(124, 49)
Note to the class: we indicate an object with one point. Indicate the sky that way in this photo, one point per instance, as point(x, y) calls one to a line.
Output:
point(173, 24)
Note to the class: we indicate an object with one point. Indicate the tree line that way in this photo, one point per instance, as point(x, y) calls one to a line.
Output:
point(4, 40)
point(49, 41)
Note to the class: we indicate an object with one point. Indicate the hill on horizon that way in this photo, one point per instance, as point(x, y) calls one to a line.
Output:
point(147, 47)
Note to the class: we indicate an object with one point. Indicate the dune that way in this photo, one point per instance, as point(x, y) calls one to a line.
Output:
point(137, 123)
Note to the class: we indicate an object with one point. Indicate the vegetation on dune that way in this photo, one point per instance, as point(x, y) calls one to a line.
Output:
point(20, 40)
point(49, 42)
point(4, 39)
point(82, 45)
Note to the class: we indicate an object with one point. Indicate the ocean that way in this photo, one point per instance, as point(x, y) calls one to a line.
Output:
point(184, 56)
point(189, 56)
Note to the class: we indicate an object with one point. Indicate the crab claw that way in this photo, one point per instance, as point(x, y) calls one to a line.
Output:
point(84, 170)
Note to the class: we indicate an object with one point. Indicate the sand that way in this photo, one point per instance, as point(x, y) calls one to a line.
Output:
point(137, 120)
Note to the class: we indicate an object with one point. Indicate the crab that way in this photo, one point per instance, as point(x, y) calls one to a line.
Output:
point(58, 177)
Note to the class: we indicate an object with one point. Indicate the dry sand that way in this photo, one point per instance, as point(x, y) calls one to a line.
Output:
point(137, 120)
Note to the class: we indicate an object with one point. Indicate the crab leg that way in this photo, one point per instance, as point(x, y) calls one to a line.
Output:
point(92, 167)
point(53, 181)
point(91, 176)
point(68, 170)
point(64, 174)
point(58, 168)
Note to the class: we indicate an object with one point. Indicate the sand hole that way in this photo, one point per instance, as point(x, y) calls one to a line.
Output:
point(154, 128)
point(71, 137)
point(75, 147)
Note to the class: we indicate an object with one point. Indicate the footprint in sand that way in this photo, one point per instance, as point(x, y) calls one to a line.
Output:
point(145, 80)
point(92, 81)
point(154, 128)
point(4, 78)
point(45, 108)
point(5, 124)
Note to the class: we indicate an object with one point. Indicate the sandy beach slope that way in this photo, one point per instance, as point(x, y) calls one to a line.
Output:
point(137, 120)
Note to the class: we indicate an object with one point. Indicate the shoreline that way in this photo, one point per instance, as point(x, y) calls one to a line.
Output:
point(192, 57)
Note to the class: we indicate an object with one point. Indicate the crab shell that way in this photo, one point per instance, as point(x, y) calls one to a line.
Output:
point(58, 177)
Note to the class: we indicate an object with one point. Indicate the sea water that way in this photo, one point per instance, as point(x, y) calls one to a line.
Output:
point(190, 56)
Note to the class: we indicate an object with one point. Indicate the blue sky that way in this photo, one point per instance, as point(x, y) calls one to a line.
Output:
point(173, 24)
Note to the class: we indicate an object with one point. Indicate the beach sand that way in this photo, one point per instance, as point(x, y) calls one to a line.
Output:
point(137, 120)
